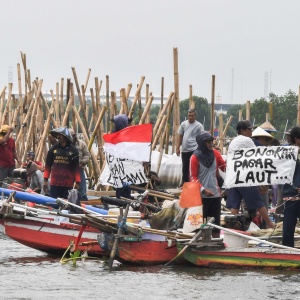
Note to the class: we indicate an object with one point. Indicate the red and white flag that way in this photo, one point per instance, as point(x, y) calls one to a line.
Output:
point(132, 142)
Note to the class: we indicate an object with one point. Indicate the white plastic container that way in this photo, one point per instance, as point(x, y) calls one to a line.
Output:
point(234, 241)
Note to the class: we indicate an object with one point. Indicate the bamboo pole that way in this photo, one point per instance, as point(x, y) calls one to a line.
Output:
point(87, 79)
point(159, 131)
point(67, 112)
point(147, 120)
point(212, 125)
point(61, 100)
point(191, 102)
point(240, 115)
point(23, 58)
point(124, 106)
point(147, 108)
point(248, 110)
point(162, 93)
point(221, 131)
point(108, 115)
point(96, 127)
point(2, 98)
point(226, 127)
point(20, 93)
point(170, 109)
point(112, 109)
point(136, 96)
point(9, 102)
point(33, 119)
point(162, 112)
point(81, 100)
point(85, 136)
point(44, 136)
point(176, 118)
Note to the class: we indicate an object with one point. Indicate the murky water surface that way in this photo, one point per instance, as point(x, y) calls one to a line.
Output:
point(29, 274)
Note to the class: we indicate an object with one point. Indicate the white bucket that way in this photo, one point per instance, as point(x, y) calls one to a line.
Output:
point(234, 241)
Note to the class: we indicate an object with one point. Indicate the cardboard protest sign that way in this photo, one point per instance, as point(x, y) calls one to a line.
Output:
point(120, 171)
point(260, 166)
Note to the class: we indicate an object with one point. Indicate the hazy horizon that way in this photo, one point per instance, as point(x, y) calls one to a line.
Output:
point(250, 46)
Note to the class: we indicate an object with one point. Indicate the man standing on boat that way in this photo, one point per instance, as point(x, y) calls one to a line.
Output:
point(187, 133)
point(205, 164)
point(8, 153)
point(291, 197)
point(250, 194)
point(62, 163)
point(84, 156)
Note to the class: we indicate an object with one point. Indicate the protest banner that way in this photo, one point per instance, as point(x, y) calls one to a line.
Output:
point(260, 166)
point(119, 172)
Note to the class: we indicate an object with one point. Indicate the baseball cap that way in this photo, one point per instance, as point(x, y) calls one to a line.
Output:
point(243, 125)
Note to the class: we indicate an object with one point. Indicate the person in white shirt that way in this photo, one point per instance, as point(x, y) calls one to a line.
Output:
point(187, 133)
point(250, 194)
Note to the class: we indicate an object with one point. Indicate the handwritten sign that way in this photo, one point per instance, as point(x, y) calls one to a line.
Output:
point(260, 166)
point(118, 172)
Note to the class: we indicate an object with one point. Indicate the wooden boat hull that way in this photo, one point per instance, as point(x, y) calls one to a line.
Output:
point(146, 252)
point(49, 235)
point(258, 257)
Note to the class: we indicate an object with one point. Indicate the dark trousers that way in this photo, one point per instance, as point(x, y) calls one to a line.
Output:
point(59, 191)
point(291, 214)
point(82, 186)
point(185, 157)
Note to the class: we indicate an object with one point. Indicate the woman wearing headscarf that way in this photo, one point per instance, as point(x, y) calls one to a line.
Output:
point(204, 168)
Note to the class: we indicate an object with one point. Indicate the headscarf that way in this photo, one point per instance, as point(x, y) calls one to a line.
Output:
point(121, 122)
point(204, 155)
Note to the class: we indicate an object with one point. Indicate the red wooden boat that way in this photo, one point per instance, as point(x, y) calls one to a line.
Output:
point(50, 234)
point(146, 252)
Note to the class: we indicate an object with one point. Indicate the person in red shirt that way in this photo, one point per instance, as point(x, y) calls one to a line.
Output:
point(62, 163)
point(8, 153)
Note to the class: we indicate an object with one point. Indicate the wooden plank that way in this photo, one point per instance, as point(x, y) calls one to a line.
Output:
point(101, 193)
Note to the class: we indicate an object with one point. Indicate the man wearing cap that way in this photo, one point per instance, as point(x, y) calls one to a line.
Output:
point(62, 163)
point(84, 156)
point(250, 194)
point(8, 153)
point(187, 133)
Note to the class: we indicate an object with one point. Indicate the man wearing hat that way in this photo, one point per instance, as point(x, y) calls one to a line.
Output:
point(84, 156)
point(8, 153)
point(250, 194)
point(62, 163)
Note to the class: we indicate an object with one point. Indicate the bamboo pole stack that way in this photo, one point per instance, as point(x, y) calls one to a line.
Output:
point(33, 114)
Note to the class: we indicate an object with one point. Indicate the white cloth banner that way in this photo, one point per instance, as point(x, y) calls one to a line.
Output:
point(260, 166)
point(118, 172)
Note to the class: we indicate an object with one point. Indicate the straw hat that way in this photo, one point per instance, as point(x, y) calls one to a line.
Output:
point(267, 126)
point(261, 132)
point(4, 128)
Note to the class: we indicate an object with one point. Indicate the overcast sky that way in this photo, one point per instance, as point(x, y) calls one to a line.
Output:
point(251, 46)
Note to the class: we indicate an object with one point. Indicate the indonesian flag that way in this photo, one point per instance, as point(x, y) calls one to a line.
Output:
point(132, 142)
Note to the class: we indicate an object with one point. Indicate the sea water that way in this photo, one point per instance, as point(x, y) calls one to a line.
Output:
point(30, 274)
